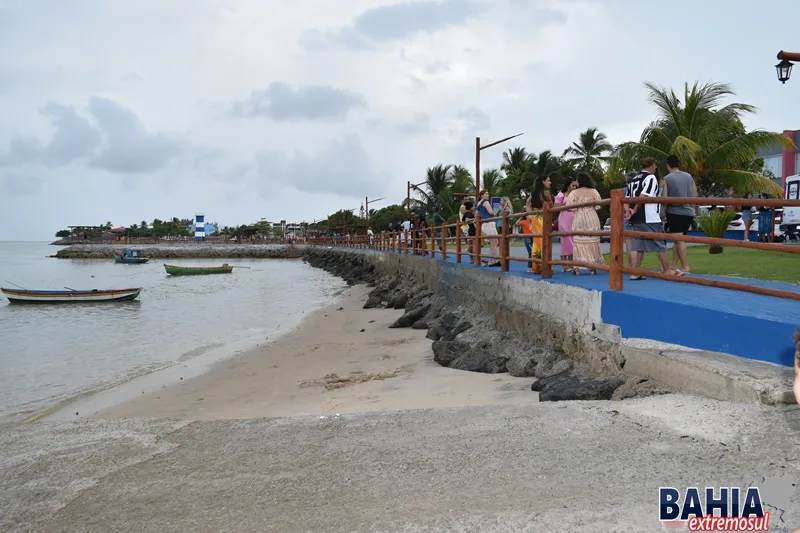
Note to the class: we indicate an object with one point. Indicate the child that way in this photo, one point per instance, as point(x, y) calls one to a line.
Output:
point(468, 217)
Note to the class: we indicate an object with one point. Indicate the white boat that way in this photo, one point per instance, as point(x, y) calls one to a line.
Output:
point(70, 296)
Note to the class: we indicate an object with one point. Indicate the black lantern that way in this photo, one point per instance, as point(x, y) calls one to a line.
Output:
point(784, 69)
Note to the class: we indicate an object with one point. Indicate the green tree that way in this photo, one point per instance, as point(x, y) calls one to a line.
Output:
point(517, 164)
point(709, 139)
point(492, 181)
point(588, 154)
point(63, 233)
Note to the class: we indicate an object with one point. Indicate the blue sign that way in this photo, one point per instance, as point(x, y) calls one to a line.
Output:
point(496, 203)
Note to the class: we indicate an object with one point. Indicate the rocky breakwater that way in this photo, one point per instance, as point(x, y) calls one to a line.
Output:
point(465, 337)
point(187, 251)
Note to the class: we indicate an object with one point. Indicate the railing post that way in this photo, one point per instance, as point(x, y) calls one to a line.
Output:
point(547, 241)
point(615, 281)
point(459, 237)
point(433, 241)
point(476, 247)
point(444, 241)
point(505, 249)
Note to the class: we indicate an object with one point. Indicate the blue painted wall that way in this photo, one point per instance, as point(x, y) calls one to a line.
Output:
point(763, 338)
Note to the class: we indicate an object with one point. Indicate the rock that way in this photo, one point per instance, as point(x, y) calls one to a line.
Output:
point(362, 330)
point(636, 387)
point(448, 328)
point(525, 364)
point(373, 302)
point(558, 367)
point(411, 316)
point(399, 301)
point(445, 352)
point(422, 323)
point(419, 298)
point(481, 358)
point(568, 386)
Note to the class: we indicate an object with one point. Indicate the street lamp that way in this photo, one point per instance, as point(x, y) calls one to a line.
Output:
point(367, 201)
point(784, 68)
point(478, 149)
point(408, 195)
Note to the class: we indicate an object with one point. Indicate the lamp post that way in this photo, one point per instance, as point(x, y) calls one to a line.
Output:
point(784, 68)
point(367, 202)
point(478, 149)
point(408, 195)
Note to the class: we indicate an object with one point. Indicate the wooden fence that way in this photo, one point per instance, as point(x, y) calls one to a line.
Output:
point(449, 239)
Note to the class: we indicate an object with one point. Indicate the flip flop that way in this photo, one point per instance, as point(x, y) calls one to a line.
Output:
point(637, 278)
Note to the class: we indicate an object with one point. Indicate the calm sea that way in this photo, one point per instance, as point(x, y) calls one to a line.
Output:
point(49, 353)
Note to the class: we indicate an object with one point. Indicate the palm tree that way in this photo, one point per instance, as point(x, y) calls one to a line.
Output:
point(517, 163)
point(587, 155)
point(492, 180)
point(711, 141)
point(438, 181)
point(462, 180)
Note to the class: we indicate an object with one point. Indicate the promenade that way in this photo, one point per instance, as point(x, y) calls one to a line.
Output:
point(747, 325)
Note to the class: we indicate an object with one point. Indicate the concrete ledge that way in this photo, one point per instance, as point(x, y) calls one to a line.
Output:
point(710, 374)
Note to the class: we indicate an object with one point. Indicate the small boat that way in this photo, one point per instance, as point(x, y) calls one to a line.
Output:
point(69, 296)
point(131, 257)
point(196, 271)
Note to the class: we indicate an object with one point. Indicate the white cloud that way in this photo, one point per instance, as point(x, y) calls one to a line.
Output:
point(336, 100)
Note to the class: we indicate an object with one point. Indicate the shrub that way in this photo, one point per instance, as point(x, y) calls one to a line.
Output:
point(715, 225)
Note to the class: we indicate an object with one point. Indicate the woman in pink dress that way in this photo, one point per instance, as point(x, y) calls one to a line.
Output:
point(565, 220)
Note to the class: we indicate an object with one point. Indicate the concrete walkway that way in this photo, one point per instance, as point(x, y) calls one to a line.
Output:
point(581, 466)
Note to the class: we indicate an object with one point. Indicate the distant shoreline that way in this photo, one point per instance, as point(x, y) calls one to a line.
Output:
point(183, 250)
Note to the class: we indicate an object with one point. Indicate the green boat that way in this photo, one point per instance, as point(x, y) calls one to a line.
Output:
point(197, 271)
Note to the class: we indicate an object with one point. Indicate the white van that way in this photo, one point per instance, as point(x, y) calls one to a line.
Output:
point(790, 226)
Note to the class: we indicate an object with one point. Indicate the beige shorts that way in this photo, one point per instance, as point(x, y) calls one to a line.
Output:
point(488, 228)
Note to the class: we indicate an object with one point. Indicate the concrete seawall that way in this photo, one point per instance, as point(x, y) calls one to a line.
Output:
point(188, 251)
point(568, 319)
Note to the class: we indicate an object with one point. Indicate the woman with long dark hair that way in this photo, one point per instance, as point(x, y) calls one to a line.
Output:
point(540, 195)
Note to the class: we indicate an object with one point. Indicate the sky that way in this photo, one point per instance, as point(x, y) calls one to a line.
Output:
point(131, 110)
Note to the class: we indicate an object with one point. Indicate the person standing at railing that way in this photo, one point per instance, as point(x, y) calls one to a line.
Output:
point(765, 224)
point(438, 222)
point(540, 195)
point(747, 216)
point(505, 207)
point(524, 225)
point(646, 218)
point(587, 248)
point(565, 219)
point(468, 228)
point(488, 229)
point(680, 217)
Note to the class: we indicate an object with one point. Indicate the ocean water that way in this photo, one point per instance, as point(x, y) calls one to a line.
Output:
point(50, 353)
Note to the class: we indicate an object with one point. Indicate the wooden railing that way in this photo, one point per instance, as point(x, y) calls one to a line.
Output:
point(425, 242)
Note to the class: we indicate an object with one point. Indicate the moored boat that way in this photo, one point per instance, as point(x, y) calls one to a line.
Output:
point(69, 296)
point(175, 270)
point(131, 257)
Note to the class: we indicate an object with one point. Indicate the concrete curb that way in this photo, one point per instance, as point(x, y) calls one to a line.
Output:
point(713, 375)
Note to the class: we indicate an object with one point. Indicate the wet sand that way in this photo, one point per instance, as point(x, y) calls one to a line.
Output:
point(341, 359)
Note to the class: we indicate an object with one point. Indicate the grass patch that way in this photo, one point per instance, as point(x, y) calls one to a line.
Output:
point(334, 381)
point(737, 262)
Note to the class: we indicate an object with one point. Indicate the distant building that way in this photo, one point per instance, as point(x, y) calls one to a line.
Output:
point(199, 226)
point(782, 162)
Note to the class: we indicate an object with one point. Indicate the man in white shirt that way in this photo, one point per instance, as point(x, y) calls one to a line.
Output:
point(646, 218)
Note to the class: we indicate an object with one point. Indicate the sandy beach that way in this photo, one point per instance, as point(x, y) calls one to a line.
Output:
point(340, 359)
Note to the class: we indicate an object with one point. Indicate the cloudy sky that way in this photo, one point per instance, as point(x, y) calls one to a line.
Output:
point(125, 110)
